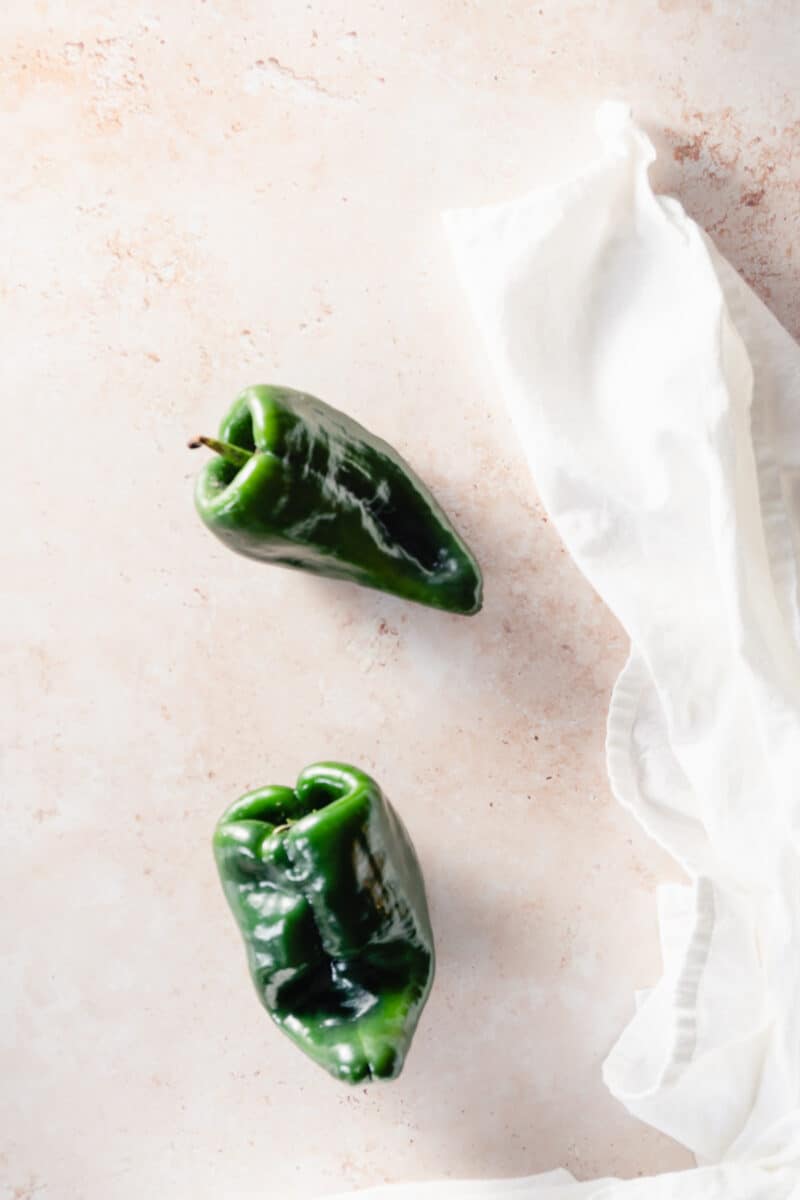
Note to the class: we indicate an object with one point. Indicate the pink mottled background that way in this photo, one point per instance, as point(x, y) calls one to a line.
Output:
point(208, 193)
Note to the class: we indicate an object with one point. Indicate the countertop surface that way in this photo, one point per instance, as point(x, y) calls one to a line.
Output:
point(203, 195)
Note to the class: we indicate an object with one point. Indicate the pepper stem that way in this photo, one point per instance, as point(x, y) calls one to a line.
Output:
point(235, 455)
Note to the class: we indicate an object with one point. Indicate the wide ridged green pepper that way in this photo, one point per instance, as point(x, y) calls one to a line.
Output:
point(328, 894)
point(300, 484)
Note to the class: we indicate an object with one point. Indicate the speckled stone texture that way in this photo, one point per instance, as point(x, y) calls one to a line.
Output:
point(198, 196)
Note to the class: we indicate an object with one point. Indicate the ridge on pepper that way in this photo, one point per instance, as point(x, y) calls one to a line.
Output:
point(329, 897)
point(300, 484)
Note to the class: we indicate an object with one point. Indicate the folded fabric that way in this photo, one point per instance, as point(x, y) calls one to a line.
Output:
point(658, 403)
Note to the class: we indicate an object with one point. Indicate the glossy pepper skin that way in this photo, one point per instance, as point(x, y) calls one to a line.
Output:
point(328, 894)
point(321, 493)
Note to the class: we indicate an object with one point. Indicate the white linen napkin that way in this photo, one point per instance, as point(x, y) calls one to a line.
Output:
point(658, 403)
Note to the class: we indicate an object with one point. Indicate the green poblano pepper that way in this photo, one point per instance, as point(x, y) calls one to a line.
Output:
point(300, 484)
point(328, 894)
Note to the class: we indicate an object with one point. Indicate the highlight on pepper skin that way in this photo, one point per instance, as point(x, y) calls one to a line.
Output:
point(297, 483)
point(328, 894)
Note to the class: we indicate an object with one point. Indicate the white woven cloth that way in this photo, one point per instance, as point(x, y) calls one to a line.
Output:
point(658, 402)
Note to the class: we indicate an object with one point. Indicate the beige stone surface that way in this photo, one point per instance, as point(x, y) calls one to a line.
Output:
point(200, 195)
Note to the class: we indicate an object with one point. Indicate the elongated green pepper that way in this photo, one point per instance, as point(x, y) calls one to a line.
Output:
point(328, 894)
point(300, 484)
